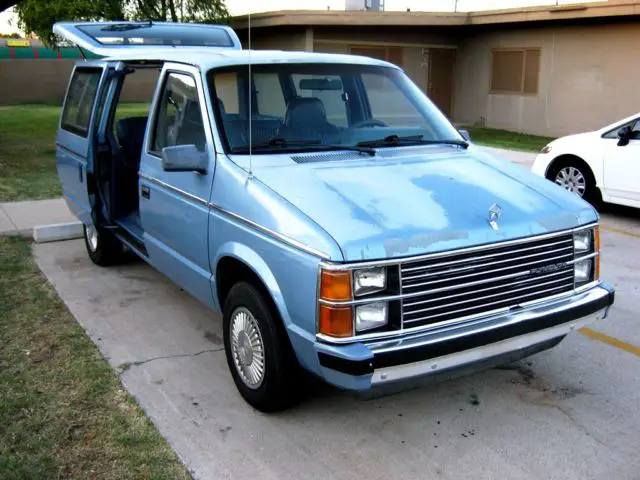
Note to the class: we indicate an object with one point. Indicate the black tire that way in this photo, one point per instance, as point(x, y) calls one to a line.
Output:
point(105, 249)
point(276, 391)
point(591, 193)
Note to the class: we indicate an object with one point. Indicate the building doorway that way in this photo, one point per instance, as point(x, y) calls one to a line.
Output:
point(440, 81)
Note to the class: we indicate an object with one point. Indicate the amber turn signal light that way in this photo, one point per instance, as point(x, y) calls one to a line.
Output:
point(335, 285)
point(335, 321)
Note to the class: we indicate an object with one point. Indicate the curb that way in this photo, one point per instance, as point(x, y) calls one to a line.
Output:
point(57, 232)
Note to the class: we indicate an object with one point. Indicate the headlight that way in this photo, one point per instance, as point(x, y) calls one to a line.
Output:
point(353, 301)
point(582, 271)
point(586, 250)
point(582, 242)
point(369, 280)
point(546, 149)
point(371, 315)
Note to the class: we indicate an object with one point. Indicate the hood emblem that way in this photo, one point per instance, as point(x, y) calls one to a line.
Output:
point(495, 211)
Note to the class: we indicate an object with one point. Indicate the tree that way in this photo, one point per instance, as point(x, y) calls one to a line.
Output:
point(38, 16)
point(5, 4)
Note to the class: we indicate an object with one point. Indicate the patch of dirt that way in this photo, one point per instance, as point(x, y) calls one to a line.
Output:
point(527, 376)
point(213, 338)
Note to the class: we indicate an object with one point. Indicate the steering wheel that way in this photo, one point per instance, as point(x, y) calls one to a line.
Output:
point(371, 122)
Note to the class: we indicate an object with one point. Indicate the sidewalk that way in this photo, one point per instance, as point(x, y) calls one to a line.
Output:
point(20, 218)
point(524, 159)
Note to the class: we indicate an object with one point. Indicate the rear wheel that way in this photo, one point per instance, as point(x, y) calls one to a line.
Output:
point(574, 175)
point(102, 246)
point(258, 353)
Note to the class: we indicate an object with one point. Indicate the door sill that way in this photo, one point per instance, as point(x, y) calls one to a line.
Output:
point(129, 231)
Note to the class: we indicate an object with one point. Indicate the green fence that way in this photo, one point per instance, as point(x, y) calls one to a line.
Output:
point(35, 53)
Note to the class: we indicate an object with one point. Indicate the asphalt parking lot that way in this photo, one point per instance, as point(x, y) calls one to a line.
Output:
point(569, 413)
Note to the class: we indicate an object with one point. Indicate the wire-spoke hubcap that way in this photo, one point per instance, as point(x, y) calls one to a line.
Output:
point(572, 179)
point(247, 347)
point(92, 237)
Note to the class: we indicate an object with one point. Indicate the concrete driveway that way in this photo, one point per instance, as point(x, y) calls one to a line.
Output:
point(570, 413)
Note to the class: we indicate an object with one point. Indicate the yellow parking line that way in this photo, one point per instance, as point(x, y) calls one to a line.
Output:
point(614, 342)
point(619, 230)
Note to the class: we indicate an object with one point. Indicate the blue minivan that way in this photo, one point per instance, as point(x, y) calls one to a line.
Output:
point(322, 204)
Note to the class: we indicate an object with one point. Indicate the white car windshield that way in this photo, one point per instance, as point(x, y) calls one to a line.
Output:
point(298, 107)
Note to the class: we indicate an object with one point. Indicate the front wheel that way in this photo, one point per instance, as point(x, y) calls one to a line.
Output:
point(575, 177)
point(103, 247)
point(258, 353)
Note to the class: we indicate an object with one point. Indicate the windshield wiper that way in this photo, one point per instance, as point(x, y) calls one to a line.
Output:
point(311, 144)
point(392, 140)
point(123, 27)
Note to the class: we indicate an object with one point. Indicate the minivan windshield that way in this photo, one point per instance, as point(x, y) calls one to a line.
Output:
point(311, 106)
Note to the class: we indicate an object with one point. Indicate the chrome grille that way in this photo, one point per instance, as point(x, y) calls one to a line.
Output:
point(462, 284)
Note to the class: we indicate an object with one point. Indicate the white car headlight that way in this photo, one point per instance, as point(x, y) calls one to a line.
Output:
point(369, 280)
point(371, 315)
point(546, 149)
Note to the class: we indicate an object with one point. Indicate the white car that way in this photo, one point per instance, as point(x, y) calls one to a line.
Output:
point(603, 165)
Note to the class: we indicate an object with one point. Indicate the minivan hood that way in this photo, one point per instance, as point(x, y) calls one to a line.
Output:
point(426, 200)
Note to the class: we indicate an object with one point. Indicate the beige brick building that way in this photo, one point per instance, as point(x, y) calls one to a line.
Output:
point(543, 70)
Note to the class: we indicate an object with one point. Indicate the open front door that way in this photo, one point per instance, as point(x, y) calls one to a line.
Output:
point(110, 39)
point(75, 142)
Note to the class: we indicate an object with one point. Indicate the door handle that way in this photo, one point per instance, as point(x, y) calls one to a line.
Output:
point(146, 192)
point(80, 173)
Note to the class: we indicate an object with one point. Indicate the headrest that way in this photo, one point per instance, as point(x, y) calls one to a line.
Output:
point(305, 110)
point(192, 112)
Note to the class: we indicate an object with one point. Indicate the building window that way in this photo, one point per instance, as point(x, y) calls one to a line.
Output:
point(388, 54)
point(515, 71)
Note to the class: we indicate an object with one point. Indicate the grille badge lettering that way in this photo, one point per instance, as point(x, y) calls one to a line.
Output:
point(547, 269)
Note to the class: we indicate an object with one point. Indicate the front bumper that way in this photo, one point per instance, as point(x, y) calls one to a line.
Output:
point(541, 164)
point(363, 365)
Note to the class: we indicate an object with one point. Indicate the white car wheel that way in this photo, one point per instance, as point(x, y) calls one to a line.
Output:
point(572, 179)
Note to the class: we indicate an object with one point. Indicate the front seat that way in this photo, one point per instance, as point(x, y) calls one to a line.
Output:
point(306, 119)
point(191, 130)
point(130, 132)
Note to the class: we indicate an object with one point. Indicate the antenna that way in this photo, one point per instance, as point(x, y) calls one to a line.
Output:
point(250, 99)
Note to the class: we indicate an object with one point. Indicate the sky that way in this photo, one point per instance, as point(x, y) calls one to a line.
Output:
point(8, 22)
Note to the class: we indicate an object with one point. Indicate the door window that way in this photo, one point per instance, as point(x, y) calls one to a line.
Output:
point(269, 95)
point(81, 96)
point(388, 104)
point(179, 119)
point(635, 127)
point(635, 130)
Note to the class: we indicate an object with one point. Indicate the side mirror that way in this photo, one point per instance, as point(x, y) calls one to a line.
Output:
point(465, 135)
point(624, 134)
point(184, 158)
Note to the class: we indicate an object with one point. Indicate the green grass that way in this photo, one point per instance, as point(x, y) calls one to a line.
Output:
point(28, 150)
point(63, 411)
point(509, 140)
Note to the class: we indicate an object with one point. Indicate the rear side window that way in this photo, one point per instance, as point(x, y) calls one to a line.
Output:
point(83, 88)
point(269, 95)
point(227, 88)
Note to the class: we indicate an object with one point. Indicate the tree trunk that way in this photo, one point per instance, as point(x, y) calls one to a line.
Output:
point(172, 9)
